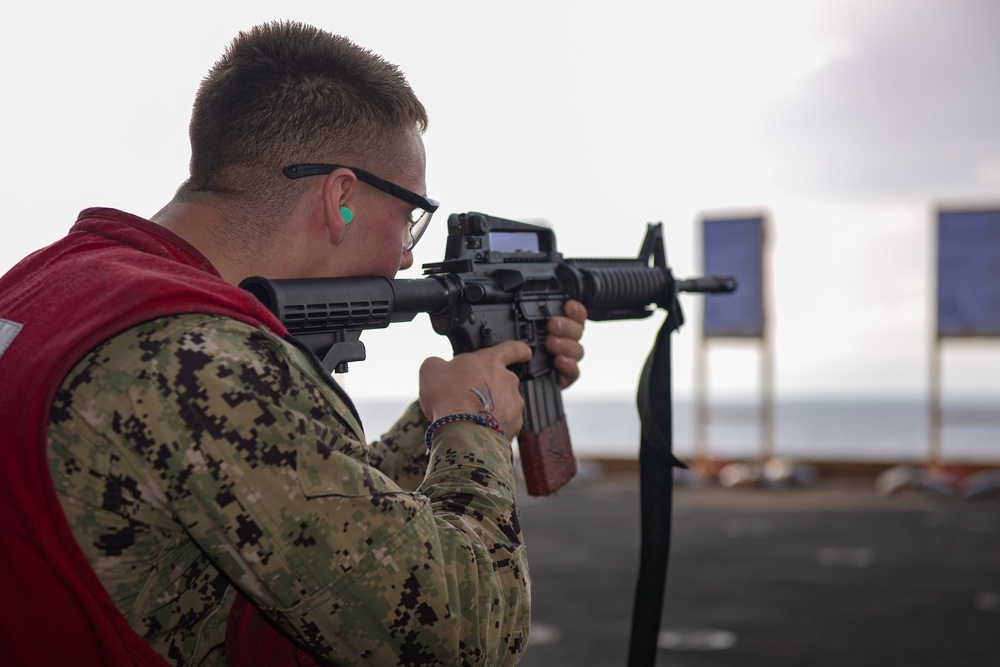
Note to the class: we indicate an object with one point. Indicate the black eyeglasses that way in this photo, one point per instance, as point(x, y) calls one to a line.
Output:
point(418, 224)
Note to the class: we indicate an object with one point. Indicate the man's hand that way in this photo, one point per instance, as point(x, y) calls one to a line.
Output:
point(563, 341)
point(446, 387)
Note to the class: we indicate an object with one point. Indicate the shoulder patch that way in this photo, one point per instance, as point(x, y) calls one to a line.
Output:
point(8, 331)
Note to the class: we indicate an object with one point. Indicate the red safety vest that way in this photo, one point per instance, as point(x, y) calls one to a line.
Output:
point(111, 272)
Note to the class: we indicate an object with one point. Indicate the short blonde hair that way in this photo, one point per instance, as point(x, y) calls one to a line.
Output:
point(284, 93)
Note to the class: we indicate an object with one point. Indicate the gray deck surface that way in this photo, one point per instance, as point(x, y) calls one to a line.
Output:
point(827, 575)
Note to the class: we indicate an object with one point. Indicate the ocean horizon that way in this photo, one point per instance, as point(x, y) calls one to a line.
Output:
point(885, 429)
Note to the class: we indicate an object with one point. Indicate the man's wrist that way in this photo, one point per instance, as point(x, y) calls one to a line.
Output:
point(482, 418)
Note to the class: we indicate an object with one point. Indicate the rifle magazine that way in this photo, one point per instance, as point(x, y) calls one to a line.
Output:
point(547, 458)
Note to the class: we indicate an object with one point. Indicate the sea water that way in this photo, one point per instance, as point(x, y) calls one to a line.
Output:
point(816, 430)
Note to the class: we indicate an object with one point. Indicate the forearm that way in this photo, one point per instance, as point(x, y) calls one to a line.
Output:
point(471, 486)
point(401, 453)
point(444, 578)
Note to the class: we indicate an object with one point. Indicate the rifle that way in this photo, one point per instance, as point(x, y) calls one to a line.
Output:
point(500, 280)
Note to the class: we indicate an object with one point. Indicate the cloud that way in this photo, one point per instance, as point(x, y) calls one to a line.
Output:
point(909, 110)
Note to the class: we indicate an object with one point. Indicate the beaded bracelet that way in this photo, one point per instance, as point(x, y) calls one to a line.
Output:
point(483, 419)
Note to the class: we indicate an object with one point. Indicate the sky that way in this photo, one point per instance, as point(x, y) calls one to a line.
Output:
point(846, 124)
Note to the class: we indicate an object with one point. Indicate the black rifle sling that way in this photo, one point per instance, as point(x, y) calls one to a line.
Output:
point(656, 464)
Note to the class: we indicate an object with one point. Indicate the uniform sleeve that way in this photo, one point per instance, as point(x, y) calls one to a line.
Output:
point(254, 454)
point(401, 453)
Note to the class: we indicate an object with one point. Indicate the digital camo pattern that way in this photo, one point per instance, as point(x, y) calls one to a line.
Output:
point(401, 453)
point(194, 452)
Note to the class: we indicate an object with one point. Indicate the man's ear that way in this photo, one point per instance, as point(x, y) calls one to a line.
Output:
point(338, 188)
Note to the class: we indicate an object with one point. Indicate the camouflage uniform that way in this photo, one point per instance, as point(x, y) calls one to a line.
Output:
point(193, 453)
